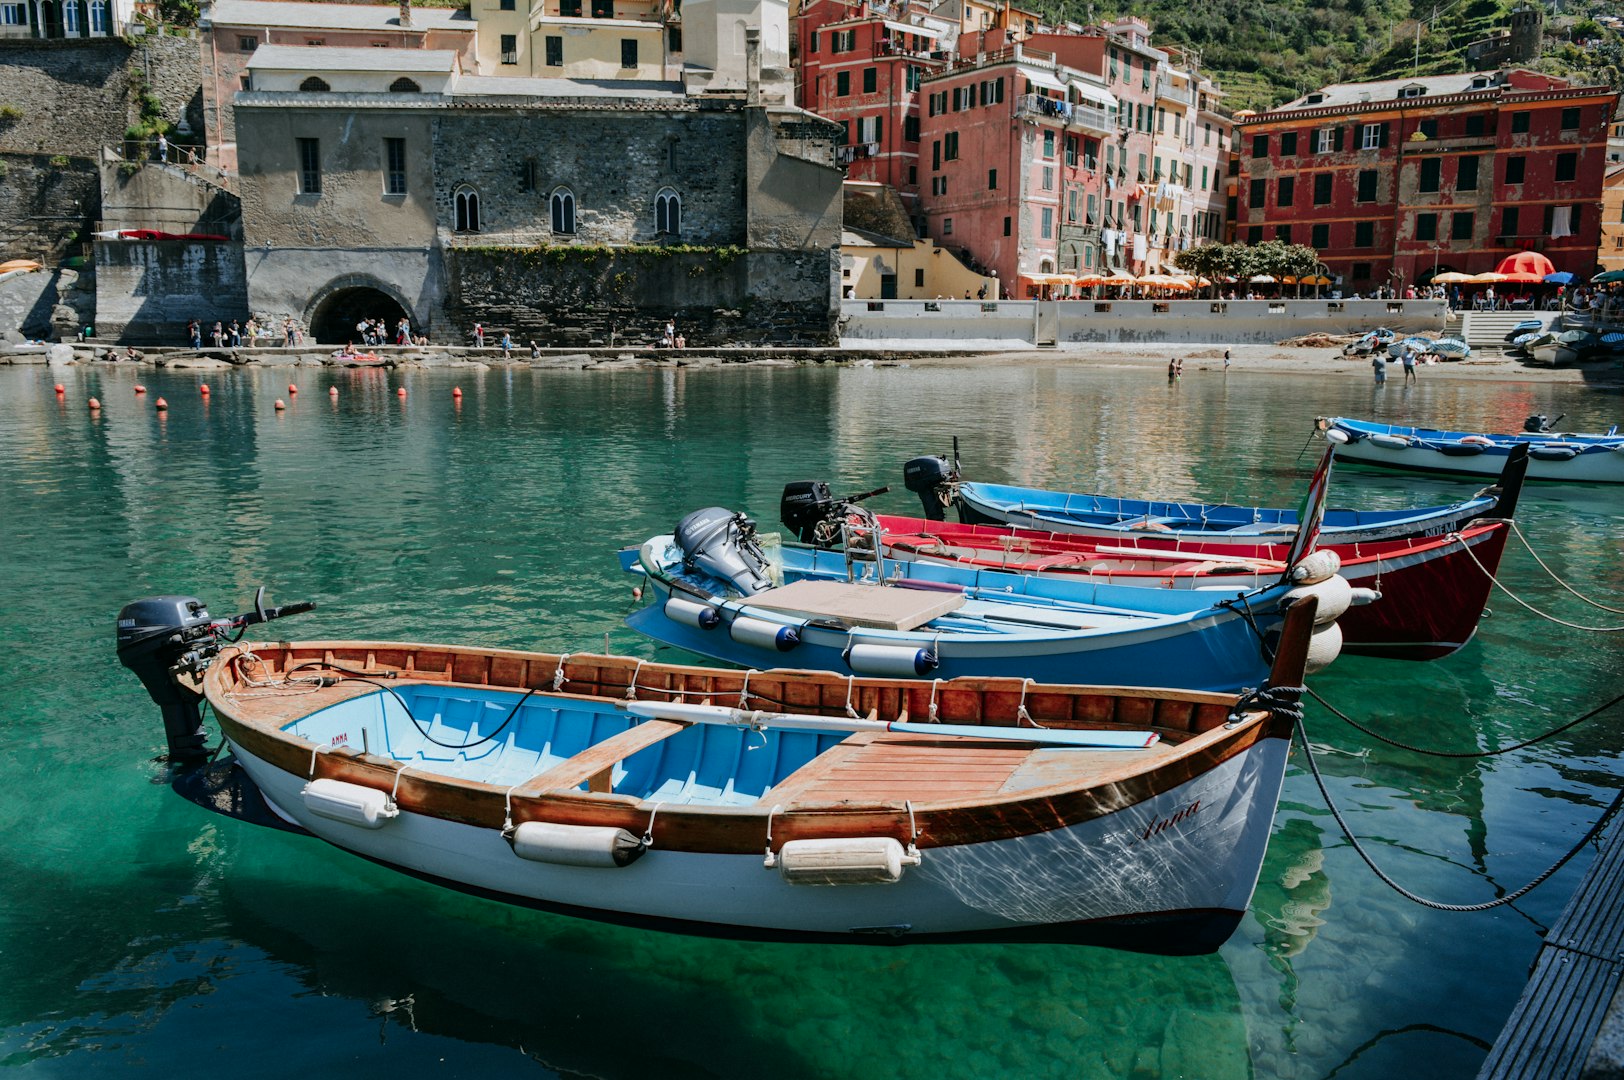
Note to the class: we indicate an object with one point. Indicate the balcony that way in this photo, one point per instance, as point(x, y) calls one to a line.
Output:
point(1090, 117)
point(1166, 91)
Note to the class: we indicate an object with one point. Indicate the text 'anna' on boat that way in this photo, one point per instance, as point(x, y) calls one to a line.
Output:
point(777, 804)
point(940, 486)
point(721, 589)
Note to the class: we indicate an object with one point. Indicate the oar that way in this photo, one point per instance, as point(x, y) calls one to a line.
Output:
point(717, 714)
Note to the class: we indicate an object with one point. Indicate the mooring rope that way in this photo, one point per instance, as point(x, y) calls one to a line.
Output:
point(1340, 715)
point(1544, 615)
point(1511, 897)
point(1552, 573)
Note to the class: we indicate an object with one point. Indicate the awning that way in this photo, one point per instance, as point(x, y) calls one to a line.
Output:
point(1097, 94)
point(907, 28)
point(1041, 78)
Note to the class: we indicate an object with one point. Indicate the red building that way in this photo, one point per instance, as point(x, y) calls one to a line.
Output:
point(863, 71)
point(1395, 181)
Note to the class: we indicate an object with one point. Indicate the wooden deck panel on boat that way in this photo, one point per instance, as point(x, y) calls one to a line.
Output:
point(1570, 1020)
point(860, 605)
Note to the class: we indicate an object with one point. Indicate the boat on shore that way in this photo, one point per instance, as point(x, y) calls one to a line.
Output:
point(1552, 455)
point(742, 804)
point(939, 485)
point(719, 589)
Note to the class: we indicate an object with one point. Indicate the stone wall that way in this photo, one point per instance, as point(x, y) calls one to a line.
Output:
point(77, 96)
point(165, 197)
point(146, 290)
point(586, 296)
point(47, 211)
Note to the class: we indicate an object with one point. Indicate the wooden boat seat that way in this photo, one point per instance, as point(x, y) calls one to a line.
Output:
point(876, 606)
point(595, 765)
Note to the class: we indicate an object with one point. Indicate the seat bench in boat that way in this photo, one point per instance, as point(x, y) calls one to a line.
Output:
point(876, 607)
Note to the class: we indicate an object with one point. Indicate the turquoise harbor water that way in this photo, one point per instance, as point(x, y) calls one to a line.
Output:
point(142, 936)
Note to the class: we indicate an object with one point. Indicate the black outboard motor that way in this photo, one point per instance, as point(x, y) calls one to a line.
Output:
point(934, 479)
point(723, 545)
point(805, 505)
point(1539, 423)
point(163, 637)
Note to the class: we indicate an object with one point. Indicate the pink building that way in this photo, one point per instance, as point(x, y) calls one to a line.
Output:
point(233, 29)
point(863, 71)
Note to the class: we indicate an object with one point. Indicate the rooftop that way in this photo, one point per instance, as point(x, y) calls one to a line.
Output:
point(1364, 93)
point(321, 58)
point(307, 16)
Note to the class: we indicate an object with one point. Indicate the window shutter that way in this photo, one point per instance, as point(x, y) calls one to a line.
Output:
point(1385, 128)
point(1336, 139)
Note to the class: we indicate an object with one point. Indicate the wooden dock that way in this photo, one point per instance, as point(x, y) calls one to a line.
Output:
point(1569, 1021)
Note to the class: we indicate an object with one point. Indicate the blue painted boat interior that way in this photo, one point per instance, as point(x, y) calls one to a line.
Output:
point(704, 764)
point(1135, 513)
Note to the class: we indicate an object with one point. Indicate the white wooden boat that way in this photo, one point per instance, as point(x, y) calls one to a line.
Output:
point(746, 804)
point(1552, 455)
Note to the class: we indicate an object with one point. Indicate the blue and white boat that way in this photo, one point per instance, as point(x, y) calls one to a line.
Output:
point(938, 484)
point(1552, 455)
point(719, 590)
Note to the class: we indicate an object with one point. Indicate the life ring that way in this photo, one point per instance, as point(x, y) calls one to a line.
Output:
point(1476, 440)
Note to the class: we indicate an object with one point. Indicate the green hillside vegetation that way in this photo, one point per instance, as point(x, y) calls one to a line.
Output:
point(1264, 52)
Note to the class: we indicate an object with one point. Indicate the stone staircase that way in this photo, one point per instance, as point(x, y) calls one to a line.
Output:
point(1488, 329)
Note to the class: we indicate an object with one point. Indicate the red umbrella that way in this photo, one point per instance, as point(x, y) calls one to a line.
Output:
point(1525, 262)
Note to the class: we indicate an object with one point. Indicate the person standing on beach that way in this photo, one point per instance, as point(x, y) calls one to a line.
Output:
point(1380, 366)
point(1409, 366)
point(1172, 371)
point(479, 336)
point(1226, 359)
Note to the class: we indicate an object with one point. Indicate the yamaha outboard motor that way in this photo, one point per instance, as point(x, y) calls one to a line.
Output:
point(164, 637)
point(723, 545)
point(935, 480)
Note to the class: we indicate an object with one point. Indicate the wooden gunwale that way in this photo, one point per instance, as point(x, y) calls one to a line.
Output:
point(1191, 721)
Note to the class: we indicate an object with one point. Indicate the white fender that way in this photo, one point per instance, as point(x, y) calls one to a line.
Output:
point(1335, 596)
point(1324, 646)
point(1316, 566)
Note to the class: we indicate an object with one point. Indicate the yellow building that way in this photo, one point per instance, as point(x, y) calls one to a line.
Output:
point(882, 259)
point(1611, 254)
point(576, 39)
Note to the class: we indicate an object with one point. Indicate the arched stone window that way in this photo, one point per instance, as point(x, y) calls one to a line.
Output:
point(70, 17)
point(98, 16)
point(1046, 266)
point(403, 85)
point(667, 213)
point(563, 206)
point(315, 83)
point(467, 200)
point(1071, 255)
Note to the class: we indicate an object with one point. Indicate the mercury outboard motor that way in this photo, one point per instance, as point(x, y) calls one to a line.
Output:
point(163, 638)
point(816, 517)
point(723, 545)
point(935, 480)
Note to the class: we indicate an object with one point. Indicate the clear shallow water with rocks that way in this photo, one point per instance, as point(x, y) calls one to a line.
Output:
point(141, 936)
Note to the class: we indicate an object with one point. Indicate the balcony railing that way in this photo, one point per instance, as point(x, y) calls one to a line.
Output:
point(1091, 117)
point(1181, 94)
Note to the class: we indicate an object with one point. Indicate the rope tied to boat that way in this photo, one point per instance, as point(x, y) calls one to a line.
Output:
point(1519, 533)
point(1244, 610)
point(1020, 710)
point(1499, 901)
point(559, 678)
point(1351, 722)
point(1281, 702)
point(1498, 584)
point(631, 687)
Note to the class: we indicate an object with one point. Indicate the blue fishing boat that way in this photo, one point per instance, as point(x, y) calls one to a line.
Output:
point(721, 590)
point(1552, 455)
point(939, 485)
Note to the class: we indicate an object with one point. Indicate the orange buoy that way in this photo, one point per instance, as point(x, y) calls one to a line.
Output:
point(280, 404)
point(332, 391)
point(401, 392)
point(637, 592)
point(161, 405)
point(94, 404)
point(60, 390)
point(456, 391)
point(204, 389)
point(292, 389)
point(139, 389)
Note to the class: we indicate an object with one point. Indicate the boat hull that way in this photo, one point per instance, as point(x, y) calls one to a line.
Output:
point(1553, 456)
point(1172, 873)
point(974, 509)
